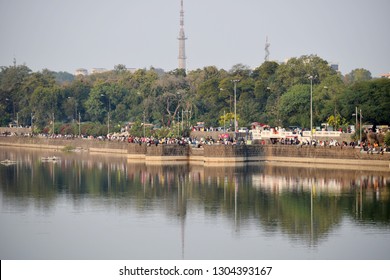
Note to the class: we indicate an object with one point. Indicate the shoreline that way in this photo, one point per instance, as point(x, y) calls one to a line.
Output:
point(215, 155)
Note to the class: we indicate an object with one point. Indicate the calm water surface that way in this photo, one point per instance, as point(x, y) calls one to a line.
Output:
point(100, 207)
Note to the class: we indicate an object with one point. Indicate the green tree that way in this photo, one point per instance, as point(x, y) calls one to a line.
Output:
point(11, 92)
point(265, 72)
point(120, 68)
point(44, 102)
point(267, 94)
point(357, 75)
point(41, 98)
point(95, 105)
point(295, 106)
point(387, 139)
point(210, 98)
point(297, 70)
point(75, 95)
point(372, 97)
point(227, 120)
point(167, 97)
point(337, 122)
point(63, 77)
point(327, 99)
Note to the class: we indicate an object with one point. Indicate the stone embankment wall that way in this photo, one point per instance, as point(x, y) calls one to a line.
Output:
point(322, 152)
point(328, 157)
point(212, 153)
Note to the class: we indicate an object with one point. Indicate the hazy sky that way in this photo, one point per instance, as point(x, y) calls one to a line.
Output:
point(63, 35)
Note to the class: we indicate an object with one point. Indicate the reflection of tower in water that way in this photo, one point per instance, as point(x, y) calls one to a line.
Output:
point(235, 201)
point(359, 201)
point(182, 208)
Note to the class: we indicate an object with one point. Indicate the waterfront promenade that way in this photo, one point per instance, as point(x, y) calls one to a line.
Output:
point(327, 157)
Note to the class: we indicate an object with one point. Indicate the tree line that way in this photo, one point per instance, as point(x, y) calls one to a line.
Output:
point(274, 94)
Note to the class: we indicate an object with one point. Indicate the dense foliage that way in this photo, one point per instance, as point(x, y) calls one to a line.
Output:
point(276, 94)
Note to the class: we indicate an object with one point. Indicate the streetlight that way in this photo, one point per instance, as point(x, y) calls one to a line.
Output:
point(224, 126)
point(79, 124)
point(187, 118)
point(235, 104)
point(13, 109)
point(356, 120)
point(178, 124)
point(32, 117)
point(109, 112)
point(53, 122)
point(13, 113)
point(360, 126)
point(75, 108)
point(224, 114)
point(311, 108)
point(144, 124)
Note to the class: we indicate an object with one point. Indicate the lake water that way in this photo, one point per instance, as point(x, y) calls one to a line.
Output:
point(102, 207)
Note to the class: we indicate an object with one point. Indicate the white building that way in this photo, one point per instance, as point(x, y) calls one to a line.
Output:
point(81, 71)
point(98, 70)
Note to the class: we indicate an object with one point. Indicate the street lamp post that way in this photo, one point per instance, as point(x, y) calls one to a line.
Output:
point(224, 126)
point(53, 122)
point(79, 124)
point(178, 124)
point(356, 120)
point(235, 104)
point(224, 114)
point(311, 108)
point(75, 108)
point(109, 112)
point(360, 125)
point(186, 125)
point(32, 117)
point(144, 124)
point(13, 112)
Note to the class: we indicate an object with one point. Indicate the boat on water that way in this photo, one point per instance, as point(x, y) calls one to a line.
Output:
point(50, 159)
point(8, 162)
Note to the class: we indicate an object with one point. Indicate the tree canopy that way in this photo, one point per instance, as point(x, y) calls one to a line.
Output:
point(273, 93)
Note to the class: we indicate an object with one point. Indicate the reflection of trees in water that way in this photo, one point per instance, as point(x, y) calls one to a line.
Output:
point(305, 203)
point(300, 214)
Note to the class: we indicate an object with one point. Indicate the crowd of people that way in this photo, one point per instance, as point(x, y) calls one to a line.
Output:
point(223, 139)
point(193, 141)
point(365, 146)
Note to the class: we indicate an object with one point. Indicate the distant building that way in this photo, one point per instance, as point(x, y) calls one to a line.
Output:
point(84, 72)
point(386, 76)
point(98, 70)
point(81, 71)
point(334, 66)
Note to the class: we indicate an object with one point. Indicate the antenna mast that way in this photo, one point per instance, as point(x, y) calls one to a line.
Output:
point(182, 38)
point(266, 57)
